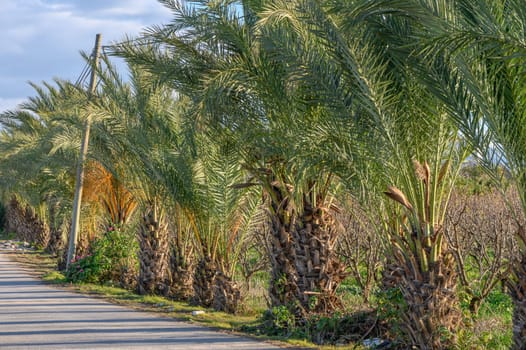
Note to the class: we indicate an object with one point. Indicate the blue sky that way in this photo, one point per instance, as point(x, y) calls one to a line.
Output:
point(41, 39)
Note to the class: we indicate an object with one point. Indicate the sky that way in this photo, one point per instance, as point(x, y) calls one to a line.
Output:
point(42, 39)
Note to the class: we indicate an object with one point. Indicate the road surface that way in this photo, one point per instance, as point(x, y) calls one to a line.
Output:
point(37, 316)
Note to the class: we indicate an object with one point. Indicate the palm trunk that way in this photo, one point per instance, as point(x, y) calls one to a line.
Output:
point(305, 269)
point(14, 217)
point(213, 288)
point(517, 290)
point(204, 281)
point(153, 253)
point(432, 315)
point(31, 229)
point(227, 295)
point(39, 230)
point(181, 273)
point(27, 233)
point(56, 233)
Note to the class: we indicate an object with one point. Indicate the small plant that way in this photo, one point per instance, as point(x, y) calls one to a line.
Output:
point(83, 269)
point(110, 258)
point(279, 321)
point(390, 304)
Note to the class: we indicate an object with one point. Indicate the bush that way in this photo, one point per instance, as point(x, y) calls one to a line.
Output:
point(279, 321)
point(336, 329)
point(111, 258)
point(390, 305)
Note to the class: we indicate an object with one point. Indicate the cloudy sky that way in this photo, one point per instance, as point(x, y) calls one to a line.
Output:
point(41, 39)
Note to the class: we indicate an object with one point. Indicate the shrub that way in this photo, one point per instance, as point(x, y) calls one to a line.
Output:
point(279, 321)
point(111, 258)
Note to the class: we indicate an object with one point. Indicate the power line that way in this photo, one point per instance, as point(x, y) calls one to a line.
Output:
point(83, 75)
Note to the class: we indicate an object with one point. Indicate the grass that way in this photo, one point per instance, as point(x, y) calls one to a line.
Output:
point(491, 328)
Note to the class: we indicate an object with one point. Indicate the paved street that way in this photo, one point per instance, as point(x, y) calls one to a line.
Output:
point(36, 316)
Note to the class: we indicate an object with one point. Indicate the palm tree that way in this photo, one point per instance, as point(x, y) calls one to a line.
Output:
point(224, 216)
point(37, 144)
point(213, 54)
point(133, 141)
point(355, 56)
point(478, 70)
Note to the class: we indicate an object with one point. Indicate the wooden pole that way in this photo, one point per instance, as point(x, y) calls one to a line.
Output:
point(79, 183)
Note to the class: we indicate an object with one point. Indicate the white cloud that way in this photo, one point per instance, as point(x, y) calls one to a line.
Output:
point(41, 39)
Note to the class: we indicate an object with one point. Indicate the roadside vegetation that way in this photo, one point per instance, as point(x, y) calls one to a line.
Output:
point(344, 173)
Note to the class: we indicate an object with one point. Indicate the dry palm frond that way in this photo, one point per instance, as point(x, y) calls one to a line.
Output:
point(427, 172)
point(397, 195)
point(419, 170)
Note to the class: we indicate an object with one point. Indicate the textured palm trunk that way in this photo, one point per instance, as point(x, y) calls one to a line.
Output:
point(420, 264)
point(305, 269)
point(213, 288)
point(14, 217)
point(38, 229)
point(153, 253)
point(432, 315)
point(227, 294)
point(181, 274)
point(27, 233)
point(203, 283)
point(30, 228)
point(517, 291)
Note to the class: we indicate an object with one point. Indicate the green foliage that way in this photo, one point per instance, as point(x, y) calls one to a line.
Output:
point(491, 327)
point(279, 320)
point(390, 305)
point(336, 329)
point(110, 256)
point(85, 268)
point(497, 303)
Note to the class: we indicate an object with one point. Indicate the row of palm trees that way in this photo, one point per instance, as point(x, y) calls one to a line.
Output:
point(245, 114)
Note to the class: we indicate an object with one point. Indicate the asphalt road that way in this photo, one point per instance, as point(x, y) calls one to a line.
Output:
point(36, 316)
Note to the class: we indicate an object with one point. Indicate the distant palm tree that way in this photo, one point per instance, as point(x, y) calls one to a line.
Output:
point(38, 142)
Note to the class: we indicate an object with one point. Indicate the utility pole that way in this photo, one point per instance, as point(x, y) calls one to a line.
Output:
point(79, 183)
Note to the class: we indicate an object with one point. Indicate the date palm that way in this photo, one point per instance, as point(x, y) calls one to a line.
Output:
point(355, 59)
point(135, 140)
point(38, 142)
point(222, 216)
point(213, 53)
point(479, 72)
